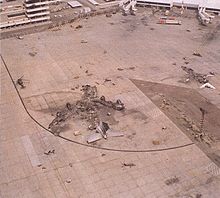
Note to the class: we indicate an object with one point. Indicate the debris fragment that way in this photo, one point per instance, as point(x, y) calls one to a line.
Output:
point(70, 164)
point(120, 69)
point(169, 21)
point(76, 77)
point(131, 136)
point(156, 142)
point(94, 137)
point(207, 85)
point(198, 195)
point(76, 133)
point(102, 128)
point(165, 103)
point(20, 37)
point(128, 165)
point(49, 152)
point(78, 27)
point(164, 128)
point(108, 15)
point(197, 54)
point(20, 82)
point(84, 41)
point(103, 131)
point(103, 154)
point(68, 180)
point(172, 181)
point(56, 29)
point(131, 68)
point(32, 53)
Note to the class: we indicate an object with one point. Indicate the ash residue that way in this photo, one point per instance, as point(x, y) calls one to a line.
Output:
point(87, 108)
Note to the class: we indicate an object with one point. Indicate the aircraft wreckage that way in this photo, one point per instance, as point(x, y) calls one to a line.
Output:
point(87, 108)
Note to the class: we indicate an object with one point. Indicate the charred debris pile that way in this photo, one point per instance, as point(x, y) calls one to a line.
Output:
point(87, 108)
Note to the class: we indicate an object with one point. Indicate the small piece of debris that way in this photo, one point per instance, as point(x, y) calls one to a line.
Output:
point(198, 195)
point(207, 85)
point(103, 154)
point(20, 82)
point(32, 53)
point(172, 181)
point(186, 62)
point(152, 29)
point(128, 165)
point(78, 26)
point(107, 80)
point(87, 71)
point(131, 68)
point(70, 164)
point(108, 114)
point(197, 54)
point(43, 168)
point(76, 133)
point(188, 30)
point(55, 29)
point(68, 181)
point(156, 142)
point(120, 69)
point(164, 128)
point(20, 37)
point(76, 77)
point(108, 15)
point(84, 41)
point(49, 152)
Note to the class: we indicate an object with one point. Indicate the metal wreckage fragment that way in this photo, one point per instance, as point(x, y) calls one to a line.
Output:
point(192, 75)
point(87, 108)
